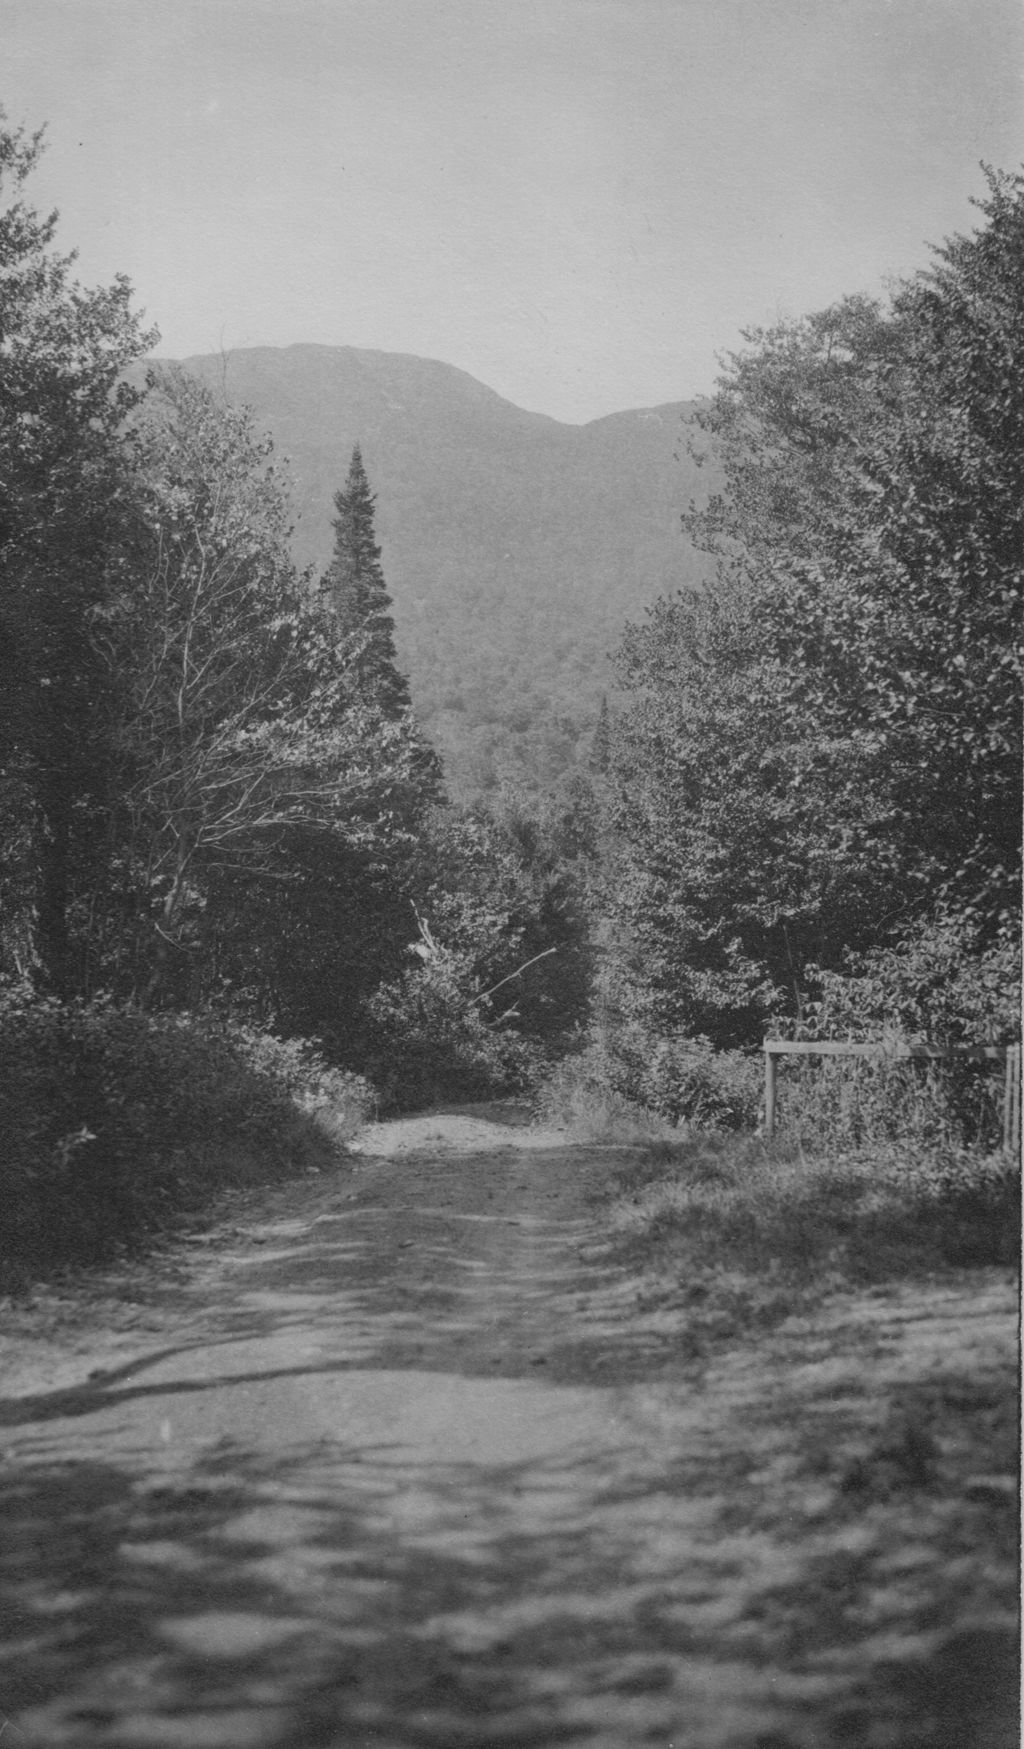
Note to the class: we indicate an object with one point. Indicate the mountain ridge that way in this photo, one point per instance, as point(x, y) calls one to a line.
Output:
point(515, 546)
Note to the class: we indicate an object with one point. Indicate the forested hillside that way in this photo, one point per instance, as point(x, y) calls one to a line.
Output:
point(514, 546)
point(696, 770)
point(233, 896)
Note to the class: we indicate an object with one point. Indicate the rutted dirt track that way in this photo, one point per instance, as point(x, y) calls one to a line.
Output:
point(398, 1460)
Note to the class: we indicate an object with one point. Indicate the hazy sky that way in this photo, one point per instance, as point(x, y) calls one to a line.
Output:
point(579, 201)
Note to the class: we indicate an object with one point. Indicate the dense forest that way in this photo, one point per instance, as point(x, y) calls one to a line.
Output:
point(238, 899)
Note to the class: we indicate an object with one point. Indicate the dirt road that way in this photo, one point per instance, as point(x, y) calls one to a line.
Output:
point(398, 1459)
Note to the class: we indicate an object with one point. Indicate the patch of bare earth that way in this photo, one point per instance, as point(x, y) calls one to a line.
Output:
point(400, 1457)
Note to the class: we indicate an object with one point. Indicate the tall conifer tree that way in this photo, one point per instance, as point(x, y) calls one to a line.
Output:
point(354, 584)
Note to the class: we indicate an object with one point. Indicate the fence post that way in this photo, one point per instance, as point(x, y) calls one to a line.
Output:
point(769, 1093)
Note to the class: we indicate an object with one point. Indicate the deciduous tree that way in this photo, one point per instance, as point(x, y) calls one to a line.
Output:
point(251, 756)
point(829, 745)
point(63, 491)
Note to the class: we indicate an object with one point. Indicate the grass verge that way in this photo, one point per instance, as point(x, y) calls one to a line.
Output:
point(744, 1235)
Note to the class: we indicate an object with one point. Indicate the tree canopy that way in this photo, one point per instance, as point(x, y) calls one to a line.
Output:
point(828, 744)
point(63, 496)
point(186, 728)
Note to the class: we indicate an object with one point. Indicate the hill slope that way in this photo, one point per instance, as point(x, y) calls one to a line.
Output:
point(514, 546)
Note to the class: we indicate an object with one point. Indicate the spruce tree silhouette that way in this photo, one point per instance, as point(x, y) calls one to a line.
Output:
point(354, 585)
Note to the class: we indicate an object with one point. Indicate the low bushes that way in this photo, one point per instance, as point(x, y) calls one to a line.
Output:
point(434, 1043)
point(654, 1085)
point(113, 1121)
point(947, 985)
point(881, 1170)
point(634, 1080)
point(338, 1100)
point(853, 1103)
point(580, 1094)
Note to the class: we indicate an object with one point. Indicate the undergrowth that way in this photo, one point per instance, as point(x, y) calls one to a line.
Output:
point(115, 1122)
point(632, 1083)
point(745, 1235)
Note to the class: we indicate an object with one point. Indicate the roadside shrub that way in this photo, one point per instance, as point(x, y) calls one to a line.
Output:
point(433, 1043)
point(687, 1081)
point(645, 1079)
point(943, 986)
point(850, 1103)
point(579, 1094)
point(338, 1100)
point(114, 1120)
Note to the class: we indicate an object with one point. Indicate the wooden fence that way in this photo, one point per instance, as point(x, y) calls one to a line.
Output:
point(1008, 1055)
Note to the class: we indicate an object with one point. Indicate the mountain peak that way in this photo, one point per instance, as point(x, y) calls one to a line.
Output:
point(514, 546)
